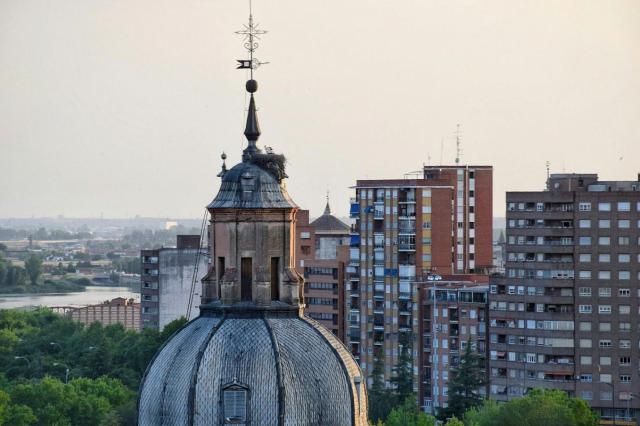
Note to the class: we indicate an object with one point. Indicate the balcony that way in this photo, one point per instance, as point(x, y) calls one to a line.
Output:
point(406, 246)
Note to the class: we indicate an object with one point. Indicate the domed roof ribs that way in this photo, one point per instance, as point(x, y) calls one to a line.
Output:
point(281, 388)
point(191, 399)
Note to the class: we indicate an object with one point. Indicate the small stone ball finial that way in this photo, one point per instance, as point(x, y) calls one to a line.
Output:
point(223, 156)
point(252, 86)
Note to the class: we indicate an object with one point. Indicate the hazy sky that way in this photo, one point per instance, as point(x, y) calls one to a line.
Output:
point(123, 107)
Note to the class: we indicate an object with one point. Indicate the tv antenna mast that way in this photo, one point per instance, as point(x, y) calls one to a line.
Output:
point(458, 141)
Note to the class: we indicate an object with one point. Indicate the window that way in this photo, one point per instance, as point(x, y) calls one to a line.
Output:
point(584, 207)
point(584, 223)
point(625, 360)
point(624, 309)
point(624, 275)
point(623, 241)
point(604, 275)
point(604, 241)
point(584, 275)
point(585, 326)
point(305, 235)
point(624, 258)
point(624, 326)
point(604, 258)
point(585, 257)
point(604, 292)
point(586, 395)
point(604, 309)
point(586, 378)
point(605, 378)
point(604, 223)
point(624, 292)
point(624, 344)
point(234, 402)
point(625, 378)
point(605, 360)
point(584, 309)
point(585, 291)
point(585, 343)
point(585, 360)
point(604, 343)
point(623, 223)
point(624, 206)
point(604, 207)
point(604, 326)
point(584, 241)
point(606, 395)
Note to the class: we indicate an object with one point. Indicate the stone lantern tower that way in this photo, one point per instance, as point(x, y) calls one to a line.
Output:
point(252, 229)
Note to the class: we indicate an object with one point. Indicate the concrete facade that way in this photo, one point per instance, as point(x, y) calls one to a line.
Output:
point(117, 311)
point(167, 281)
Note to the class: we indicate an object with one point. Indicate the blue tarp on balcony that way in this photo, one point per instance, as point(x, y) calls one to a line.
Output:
point(355, 241)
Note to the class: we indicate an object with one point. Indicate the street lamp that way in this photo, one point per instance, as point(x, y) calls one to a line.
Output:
point(55, 344)
point(66, 374)
point(25, 359)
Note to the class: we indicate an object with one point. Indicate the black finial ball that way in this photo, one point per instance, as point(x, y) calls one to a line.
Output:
point(223, 156)
point(252, 86)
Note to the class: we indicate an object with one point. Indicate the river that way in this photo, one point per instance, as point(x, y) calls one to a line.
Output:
point(91, 296)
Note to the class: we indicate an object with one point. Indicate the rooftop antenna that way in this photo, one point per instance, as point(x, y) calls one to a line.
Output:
point(548, 164)
point(458, 150)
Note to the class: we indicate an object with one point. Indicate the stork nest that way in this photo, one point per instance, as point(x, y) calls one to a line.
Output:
point(272, 163)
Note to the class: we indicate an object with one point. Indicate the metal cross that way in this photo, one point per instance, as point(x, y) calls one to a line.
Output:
point(251, 33)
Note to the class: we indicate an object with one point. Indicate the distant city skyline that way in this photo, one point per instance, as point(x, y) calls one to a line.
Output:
point(123, 108)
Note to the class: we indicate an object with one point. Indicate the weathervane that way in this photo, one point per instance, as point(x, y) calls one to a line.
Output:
point(251, 33)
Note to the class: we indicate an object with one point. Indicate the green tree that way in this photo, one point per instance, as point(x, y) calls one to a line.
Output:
point(380, 398)
point(33, 266)
point(403, 378)
point(454, 421)
point(466, 380)
point(539, 408)
point(408, 414)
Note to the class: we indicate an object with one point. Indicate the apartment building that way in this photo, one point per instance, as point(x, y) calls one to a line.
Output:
point(565, 315)
point(166, 282)
point(456, 317)
point(322, 250)
point(116, 311)
point(403, 231)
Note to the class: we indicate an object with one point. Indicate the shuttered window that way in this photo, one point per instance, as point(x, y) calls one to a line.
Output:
point(235, 406)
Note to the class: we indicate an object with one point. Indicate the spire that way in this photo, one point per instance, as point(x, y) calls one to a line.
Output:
point(252, 129)
point(327, 209)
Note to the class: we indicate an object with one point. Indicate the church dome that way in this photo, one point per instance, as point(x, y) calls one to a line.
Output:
point(254, 183)
point(267, 366)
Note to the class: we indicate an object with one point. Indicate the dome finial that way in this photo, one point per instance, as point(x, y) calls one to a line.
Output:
point(224, 165)
point(251, 33)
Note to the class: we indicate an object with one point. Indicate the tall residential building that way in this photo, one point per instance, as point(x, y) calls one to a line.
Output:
point(167, 281)
point(565, 316)
point(457, 317)
point(322, 248)
point(404, 230)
